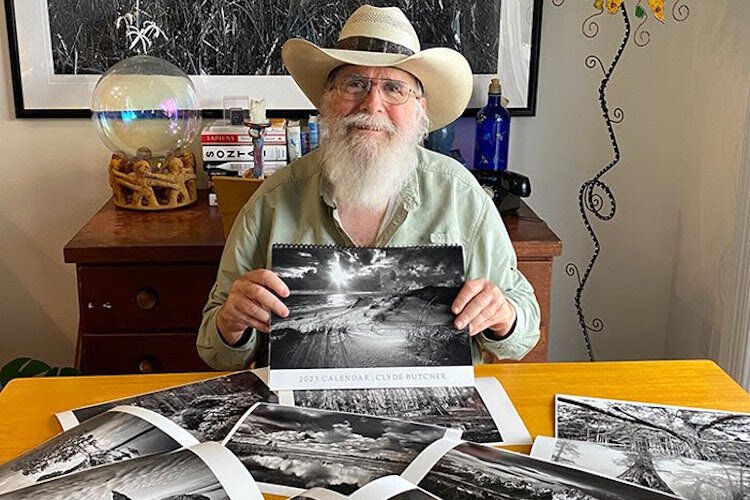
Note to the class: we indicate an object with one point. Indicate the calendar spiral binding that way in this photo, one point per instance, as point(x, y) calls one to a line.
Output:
point(309, 246)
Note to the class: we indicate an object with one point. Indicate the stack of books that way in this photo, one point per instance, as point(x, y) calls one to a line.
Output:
point(228, 149)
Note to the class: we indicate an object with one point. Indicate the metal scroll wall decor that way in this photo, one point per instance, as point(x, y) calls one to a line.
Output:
point(592, 194)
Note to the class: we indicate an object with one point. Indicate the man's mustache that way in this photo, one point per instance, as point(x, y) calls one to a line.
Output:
point(367, 121)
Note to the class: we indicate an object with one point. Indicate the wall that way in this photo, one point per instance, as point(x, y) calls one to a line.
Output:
point(54, 178)
point(656, 281)
point(718, 89)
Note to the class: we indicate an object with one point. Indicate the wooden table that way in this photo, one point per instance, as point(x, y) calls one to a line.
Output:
point(28, 405)
point(143, 279)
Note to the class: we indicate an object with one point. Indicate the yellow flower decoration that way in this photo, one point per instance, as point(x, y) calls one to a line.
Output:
point(613, 7)
point(657, 6)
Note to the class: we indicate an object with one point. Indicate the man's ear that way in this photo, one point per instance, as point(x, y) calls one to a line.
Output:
point(423, 102)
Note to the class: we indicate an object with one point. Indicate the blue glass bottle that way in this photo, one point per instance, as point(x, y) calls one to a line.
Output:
point(493, 132)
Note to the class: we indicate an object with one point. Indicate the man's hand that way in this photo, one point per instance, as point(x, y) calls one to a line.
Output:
point(250, 304)
point(481, 305)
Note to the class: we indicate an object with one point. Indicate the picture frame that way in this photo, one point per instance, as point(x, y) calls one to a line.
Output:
point(42, 90)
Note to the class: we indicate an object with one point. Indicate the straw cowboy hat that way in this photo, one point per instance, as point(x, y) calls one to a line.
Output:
point(375, 36)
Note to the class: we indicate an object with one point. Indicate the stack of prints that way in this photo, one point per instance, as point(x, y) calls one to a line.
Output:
point(131, 452)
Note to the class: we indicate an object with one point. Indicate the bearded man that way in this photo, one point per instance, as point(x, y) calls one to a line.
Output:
point(371, 184)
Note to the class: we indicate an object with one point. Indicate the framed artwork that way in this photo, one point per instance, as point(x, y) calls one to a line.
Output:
point(59, 48)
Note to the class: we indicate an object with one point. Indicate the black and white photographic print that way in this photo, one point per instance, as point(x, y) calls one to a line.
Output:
point(684, 477)
point(207, 409)
point(183, 474)
point(118, 435)
point(711, 435)
point(59, 48)
point(391, 488)
point(288, 449)
point(654, 438)
point(384, 488)
point(473, 471)
point(483, 412)
point(369, 317)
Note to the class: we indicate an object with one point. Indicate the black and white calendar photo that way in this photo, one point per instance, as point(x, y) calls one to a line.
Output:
point(369, 317)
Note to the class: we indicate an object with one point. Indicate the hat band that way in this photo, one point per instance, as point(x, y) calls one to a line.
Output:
point(367, 44)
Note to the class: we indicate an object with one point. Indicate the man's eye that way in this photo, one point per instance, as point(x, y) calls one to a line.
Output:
point(394, 88)
point(356, 85)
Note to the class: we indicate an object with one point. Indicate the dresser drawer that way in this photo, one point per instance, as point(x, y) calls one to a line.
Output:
point(141, 353)
point(143, 298)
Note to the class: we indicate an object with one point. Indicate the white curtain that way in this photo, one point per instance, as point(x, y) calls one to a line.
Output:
point(734, 336)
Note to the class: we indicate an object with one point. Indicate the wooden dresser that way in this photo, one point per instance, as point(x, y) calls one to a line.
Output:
point(143, 279)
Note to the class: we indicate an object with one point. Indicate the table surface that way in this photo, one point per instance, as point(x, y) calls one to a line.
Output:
point(29, 405)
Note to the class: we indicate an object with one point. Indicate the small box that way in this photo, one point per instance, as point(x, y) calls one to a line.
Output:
point(236, 109)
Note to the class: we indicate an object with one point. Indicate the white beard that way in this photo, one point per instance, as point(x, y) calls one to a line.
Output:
point(368, 171)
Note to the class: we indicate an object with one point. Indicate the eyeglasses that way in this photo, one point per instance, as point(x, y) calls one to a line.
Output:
point(356, 87)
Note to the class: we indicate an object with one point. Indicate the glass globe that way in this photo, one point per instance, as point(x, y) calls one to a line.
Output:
point(145, 108)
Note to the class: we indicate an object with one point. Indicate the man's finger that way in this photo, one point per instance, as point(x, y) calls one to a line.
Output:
point(253, 310)
point(475, 307)
point(484, 318)
point(266, 300)
point(260, 326)
point(234, 314)
point(467, 292)
point(269, 280)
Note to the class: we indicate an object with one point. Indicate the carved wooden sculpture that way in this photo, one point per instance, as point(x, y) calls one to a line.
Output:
point(137, 186)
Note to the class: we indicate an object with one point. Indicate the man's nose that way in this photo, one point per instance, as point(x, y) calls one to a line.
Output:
point(372, 101)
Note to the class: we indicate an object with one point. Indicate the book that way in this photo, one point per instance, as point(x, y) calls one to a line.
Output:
point(241, 168)
point(242, 152)
point(233, 134)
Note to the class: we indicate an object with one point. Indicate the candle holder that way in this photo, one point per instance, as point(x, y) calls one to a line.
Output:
point(257, 132)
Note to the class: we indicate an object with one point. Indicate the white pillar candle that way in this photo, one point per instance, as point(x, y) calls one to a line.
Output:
point(258, 111)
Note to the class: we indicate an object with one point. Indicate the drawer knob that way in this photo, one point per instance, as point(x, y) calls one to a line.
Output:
point(146, 366)
point(147, 298)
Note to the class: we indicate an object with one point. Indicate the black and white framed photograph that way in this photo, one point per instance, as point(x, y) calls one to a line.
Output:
point(123, 433)
point(290, 449)
point(472, 471)
point(59, 48)
point(206, 470)
point(207, 409)
point(483, 412)
point(684, 477)
point(369, 317)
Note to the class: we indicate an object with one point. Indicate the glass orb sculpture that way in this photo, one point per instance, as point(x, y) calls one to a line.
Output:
point(145, 108)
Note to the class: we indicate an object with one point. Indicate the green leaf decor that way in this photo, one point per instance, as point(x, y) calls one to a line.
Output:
point(27, 367)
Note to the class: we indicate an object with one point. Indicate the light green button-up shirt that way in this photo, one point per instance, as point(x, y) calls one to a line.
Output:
point(442, 204)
